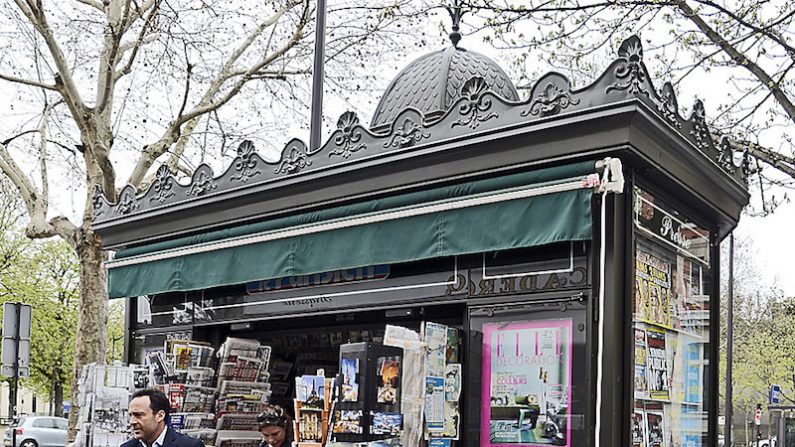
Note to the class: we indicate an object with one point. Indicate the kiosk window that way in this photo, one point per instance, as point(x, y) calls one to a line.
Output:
point(671, 322)
point(530, 393)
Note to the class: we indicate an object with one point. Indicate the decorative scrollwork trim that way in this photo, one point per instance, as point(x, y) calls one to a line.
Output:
point(550, 101)
point(408, 134)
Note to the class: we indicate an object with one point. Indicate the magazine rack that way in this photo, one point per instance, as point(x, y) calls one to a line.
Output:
point(368, 399)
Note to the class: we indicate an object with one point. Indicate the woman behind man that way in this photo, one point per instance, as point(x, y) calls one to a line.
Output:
point(275, 426)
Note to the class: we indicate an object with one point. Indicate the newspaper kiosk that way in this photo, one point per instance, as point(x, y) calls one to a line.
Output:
point(565, 242)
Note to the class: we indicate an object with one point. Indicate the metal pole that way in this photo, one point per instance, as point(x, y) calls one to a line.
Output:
point(782, 434)
point(758, 426)
point(14, 389)
point(727, 431)
point(316, 121)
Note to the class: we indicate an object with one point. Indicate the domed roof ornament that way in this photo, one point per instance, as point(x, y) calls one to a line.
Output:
point(455, 14)
point(432, 83)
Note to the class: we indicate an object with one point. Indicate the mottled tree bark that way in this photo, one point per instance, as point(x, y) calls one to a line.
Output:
point(92, 321)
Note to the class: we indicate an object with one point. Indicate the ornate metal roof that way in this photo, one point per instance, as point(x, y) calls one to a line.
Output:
point(466, 110)
point(433, 82)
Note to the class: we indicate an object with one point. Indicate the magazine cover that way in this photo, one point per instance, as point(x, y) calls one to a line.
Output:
point(142, 378)
point(652, 289)
point(452, 382)
point(386, 423)
point(453, 345)
point(436, 339)
point(693, 372)
point(200, 376)
point(638, 429)
point(657, 365)
point(182, 356)
point(526, 365)
point(310, 390)
point(434, 404)
point(350, 387)
point(198, 399)
point(655, 429)
point(348, 421)
point(310, 425)
point(388, 378)
point(452, 420)
point(641, 363)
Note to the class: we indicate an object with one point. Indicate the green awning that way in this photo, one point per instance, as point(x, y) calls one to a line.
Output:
point(519, 210)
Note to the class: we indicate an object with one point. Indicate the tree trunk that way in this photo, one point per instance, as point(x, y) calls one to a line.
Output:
point(58, 398)
point(51, 397)
point(92, 321)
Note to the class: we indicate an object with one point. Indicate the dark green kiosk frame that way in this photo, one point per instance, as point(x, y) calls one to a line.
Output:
point(490, 208)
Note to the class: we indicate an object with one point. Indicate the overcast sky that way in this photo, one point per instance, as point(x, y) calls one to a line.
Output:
point(772, 237)
point(773, 240)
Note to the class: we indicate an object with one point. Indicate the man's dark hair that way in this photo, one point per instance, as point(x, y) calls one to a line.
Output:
point(157, 400)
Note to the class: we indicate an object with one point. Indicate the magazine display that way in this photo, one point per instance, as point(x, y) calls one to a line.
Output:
point(652, 289)
point(658, 365)
point(312, 405)
point(655, 429)
point(671, 325)
point(641, 382)
point(104, 393)
point(243, 389)
point(638, 436)
point(217, 399)
point(526, 386)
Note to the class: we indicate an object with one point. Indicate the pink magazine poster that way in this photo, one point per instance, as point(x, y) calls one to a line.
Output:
point(526, 391)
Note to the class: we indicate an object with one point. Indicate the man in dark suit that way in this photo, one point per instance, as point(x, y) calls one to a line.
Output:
point(149, 410)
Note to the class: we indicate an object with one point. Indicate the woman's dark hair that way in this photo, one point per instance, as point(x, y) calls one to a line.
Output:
point(273, 415)
point(157, 400)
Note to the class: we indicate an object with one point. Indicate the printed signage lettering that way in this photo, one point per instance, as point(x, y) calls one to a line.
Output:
point(674, 235)
point(578, 277)
point(667, 226)
point(319, 279)
point(308, 301)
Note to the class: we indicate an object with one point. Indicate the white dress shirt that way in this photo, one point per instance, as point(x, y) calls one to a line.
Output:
point(159, 441)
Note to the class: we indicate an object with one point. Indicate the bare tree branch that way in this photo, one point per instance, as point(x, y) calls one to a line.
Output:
point(763, 30)
point(28, 192)
point(740, 59)
point(135, 46)
point(140, 11)
point(45, 183)
point(64, 82)
point(29, 82)
point(35, 203)
point(207, 104)
point(93, 3)
point(109, 55)
point(8, 140)
point(776, 159)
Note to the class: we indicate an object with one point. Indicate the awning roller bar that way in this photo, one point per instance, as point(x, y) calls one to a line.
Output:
point(589, 181)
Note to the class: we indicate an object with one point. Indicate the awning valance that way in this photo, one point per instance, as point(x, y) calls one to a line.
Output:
point(518, 210)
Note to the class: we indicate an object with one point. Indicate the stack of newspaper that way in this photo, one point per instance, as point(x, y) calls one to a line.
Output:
point(243, 390)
